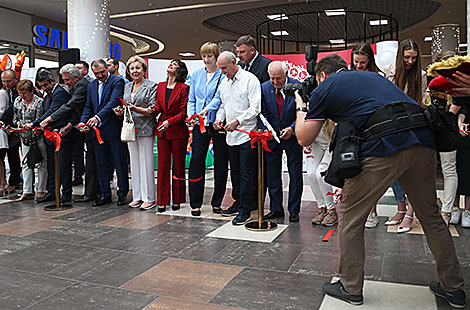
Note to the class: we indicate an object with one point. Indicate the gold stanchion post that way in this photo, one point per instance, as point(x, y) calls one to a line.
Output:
point(260, 225)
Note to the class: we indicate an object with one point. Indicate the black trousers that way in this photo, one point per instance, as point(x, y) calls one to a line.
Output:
point(92, 186)
point(197, 168)
point(243, 173)
point(14, 163)
point(78, 157)
point(65, 164)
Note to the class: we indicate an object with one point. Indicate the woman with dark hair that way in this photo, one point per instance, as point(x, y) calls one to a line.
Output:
point(407, 74)
point(172, 133)
point(362, 58)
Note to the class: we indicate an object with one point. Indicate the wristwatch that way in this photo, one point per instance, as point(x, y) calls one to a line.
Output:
point(303, 109)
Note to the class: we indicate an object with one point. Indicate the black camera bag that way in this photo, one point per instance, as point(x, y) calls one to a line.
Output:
point(444, 125)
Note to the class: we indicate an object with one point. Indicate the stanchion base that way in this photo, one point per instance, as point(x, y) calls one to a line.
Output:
point(265, 226)
point(62, 207)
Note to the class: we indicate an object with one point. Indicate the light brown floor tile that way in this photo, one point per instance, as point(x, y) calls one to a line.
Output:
point(39, 212)
point(27, 225)
point(166, 303)
point(417, 229)
point(197, 281)
point(137, 220)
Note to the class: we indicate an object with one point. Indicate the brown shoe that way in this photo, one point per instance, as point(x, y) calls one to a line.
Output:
point(330, 219)
point(25, 197)
point(318, 219)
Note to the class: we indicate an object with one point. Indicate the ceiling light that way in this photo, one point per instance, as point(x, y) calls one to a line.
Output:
point(463, 45)
point(43, 51)
point(6, 44)
point(427, 39)
point(187, 54)
point(280, 33)
point(161, 46)
point(335, 12)
point(378, 22)
point(337, 41)
point(277, 17)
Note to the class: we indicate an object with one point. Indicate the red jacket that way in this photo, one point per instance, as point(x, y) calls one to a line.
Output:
point(176, 112)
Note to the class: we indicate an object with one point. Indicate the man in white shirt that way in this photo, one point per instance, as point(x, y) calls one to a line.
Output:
point(240, 96)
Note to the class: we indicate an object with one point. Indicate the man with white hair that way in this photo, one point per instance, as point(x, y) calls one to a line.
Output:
point(279, 110)
point(240, 96)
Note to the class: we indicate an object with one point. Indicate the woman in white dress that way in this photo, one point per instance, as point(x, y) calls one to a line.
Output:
point(3, 138)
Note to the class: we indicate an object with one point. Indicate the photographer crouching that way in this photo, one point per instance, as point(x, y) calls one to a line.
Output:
point(394, 144)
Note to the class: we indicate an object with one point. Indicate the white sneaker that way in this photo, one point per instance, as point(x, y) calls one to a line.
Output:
point(466, 219)
point(372, 220)
point(455, 216)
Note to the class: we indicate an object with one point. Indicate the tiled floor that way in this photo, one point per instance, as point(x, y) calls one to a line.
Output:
point(114, 257)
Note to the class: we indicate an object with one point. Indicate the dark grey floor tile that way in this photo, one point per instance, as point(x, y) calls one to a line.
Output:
point(72, 232)
point(107, 267)
point(86, 296)
point(94, 215)
point(8, 217)
point(44, 257)
point(12, 244)
point(188, 225)
point(274, 256)
point(272, 290)
point(20, 289)
point(124, 239)
point(409, 269)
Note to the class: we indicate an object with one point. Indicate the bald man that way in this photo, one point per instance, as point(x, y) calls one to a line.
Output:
point(279, 110)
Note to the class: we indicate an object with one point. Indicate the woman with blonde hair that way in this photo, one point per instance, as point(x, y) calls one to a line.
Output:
point(139, 95)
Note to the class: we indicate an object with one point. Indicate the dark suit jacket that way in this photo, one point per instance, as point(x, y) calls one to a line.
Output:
point(72, 110)
point(113, 90)
point(259, 68)
point(7, 116)
point(270, 111)
point(52, 103)
point(175, 113)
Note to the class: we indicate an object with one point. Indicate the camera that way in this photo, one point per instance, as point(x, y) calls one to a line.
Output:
point(309, 84)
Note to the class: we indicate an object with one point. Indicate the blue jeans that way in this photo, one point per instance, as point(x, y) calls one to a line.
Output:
point(398, 192)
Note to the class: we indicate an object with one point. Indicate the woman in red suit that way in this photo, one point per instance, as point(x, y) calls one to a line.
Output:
point(172, 133)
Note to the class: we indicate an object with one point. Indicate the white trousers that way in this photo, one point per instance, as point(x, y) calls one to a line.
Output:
point(318, 161)
point(28, 174)
point(449, 171)
point(142, 169)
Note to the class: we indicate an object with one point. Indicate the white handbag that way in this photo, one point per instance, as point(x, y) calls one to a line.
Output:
point(128, 127)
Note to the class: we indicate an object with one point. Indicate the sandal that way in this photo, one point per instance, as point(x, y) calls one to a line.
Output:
point(402, 229)
point(446, 217)
point(395, 222)
point(24, 197)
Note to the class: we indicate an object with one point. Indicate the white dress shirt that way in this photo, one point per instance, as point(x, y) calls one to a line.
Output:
point(241, 100)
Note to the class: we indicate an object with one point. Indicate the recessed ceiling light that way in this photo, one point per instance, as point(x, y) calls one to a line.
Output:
point(43, 51)
point(187, 54)
point(280, 33)
point(427, 39)
point(277, 17)
point(6, 44)
point(335, 12)
point(337, 41)
point(463, 45)
point(378, 22)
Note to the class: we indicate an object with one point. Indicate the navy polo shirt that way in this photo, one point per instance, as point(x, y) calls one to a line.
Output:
point(356, 95)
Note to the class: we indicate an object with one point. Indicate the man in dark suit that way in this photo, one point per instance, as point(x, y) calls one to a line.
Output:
point(9, 80)
point(250, 59)
point(55, 98)
point(279, 110)
point(66, 117)
point(103, 96)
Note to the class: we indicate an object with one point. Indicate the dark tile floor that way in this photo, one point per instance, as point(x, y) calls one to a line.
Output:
point(91, 258)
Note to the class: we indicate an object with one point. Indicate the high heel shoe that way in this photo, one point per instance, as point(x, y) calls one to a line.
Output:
point(161, 209)
point(395, 222)
point(175, 207)
point(401, 230)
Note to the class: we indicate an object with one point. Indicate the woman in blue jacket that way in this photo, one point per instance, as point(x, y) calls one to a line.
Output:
point(204, 100)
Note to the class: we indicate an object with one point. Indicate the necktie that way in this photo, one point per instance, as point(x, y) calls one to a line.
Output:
point(279, 101)
point(247, 67)
point(100, 91)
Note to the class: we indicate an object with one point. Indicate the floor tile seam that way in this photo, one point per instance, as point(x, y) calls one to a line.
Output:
point(75, 261)
point(49, 296)
point(63, 242)
point(296, 259)
point(231, 241)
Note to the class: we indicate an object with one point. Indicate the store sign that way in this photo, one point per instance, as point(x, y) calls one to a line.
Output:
point(51, 37)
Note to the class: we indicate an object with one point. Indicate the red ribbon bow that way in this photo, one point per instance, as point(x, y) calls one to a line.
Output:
point(255, 136)
point(53, 136)
point(97, 131)
point(202, 128)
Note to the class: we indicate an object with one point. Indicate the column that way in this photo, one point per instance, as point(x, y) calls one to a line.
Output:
point(88, 28)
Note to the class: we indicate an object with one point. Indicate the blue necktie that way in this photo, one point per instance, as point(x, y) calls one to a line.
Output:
point(100, 91)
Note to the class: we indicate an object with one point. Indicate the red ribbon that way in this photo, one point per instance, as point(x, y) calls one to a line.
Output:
point(122, 102)
point(183, 179)
point(202, 128)
point(97, 131)
point(328, 235)
point(255, 136)
point(338, 197)
point(53, 136)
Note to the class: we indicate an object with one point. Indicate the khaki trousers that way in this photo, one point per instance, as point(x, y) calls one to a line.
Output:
point(415, 170)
